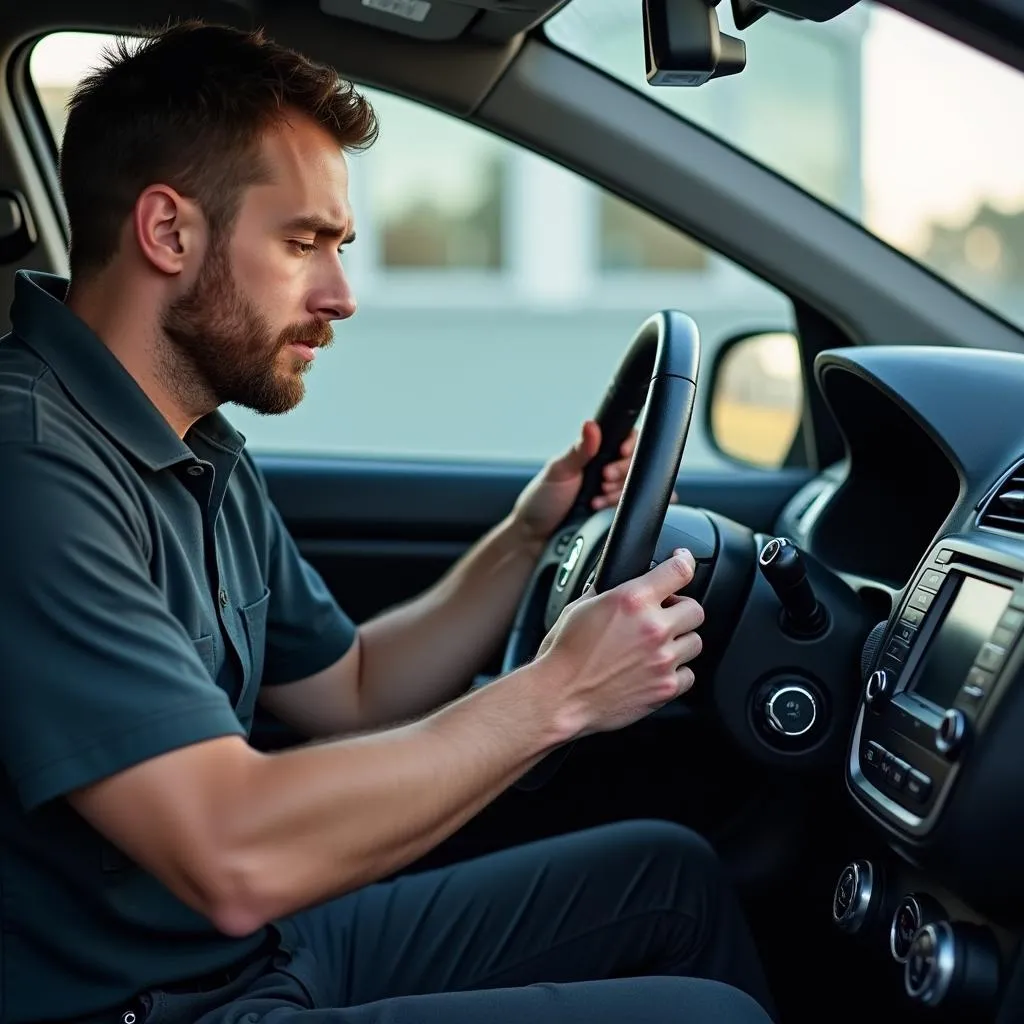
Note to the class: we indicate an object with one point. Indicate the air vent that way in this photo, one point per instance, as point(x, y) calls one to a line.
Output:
point(1005, 509)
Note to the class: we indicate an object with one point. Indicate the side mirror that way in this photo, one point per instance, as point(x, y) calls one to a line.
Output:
point(757, 398)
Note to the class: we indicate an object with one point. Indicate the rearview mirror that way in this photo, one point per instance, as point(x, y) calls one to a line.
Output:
point(757, 398)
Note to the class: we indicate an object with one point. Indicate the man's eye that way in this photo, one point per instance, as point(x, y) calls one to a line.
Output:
point(304, 248)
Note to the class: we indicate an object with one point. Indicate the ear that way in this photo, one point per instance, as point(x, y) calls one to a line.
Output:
point(169, 230)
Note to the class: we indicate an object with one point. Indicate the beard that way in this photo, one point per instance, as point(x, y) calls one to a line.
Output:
point(224, 349)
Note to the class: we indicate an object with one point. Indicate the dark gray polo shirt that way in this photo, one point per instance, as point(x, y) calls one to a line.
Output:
point(147, 589)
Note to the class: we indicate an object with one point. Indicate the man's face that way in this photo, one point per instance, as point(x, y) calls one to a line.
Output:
point(263, 301)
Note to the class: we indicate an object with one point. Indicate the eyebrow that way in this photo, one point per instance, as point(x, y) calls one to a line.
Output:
point(320, 226)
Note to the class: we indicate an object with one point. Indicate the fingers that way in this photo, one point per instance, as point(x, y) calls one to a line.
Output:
point(684, 615)
point(668, 577)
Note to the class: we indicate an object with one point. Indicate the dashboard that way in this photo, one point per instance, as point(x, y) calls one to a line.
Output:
point(924, 518)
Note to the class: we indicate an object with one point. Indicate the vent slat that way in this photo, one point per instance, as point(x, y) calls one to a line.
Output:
point(1005, 509)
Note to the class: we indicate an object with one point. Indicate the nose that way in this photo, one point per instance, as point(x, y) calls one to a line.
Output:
point(334, 299)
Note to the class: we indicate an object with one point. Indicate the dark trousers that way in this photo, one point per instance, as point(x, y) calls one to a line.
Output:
point(625, 923)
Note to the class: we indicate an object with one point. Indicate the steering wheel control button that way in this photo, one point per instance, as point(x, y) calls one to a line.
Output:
point(568, 566)
point(792, 710)
point(879, 688)
point(852, 899)
point(951, 734)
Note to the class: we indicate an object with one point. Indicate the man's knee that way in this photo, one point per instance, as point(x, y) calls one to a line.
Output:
point(674, 845)
point(705, 1000)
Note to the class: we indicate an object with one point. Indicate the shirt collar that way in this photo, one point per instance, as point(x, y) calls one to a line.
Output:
point(98, 382)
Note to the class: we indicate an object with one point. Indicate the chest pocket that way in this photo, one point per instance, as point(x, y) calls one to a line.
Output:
point(254, 619)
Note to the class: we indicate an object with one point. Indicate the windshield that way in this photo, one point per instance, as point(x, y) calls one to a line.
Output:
point(908, 132)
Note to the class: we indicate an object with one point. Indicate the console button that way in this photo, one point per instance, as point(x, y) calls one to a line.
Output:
point(922, 599)
point(990, 656)
point(919, 785)
point(897, 650)
point(978, 677)
point(872, 754)
point(932, 579)
point(912, 616)
point(1012, 619)
point(898, 771)
point(905, 631)
point(943, 556)
point(1003, 636)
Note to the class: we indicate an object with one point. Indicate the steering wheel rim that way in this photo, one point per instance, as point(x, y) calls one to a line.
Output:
point(659, 371)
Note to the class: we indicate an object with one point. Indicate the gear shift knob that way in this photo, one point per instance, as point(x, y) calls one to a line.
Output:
point(783, 567)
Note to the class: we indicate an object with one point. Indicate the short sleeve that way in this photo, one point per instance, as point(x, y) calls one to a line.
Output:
point(96, 674)
point(306, 630)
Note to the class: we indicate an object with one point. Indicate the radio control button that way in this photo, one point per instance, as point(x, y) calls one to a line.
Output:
point(943, 556)
point(921, 599)
point(1012, 619)
point(897, 649)
point(972, 693)
point(905, 631)
point(990, 657)
point(978, 677)
point(897, 771)
point(932, 579)
point(1003, 636)
point(912, 616)
point(919, 785)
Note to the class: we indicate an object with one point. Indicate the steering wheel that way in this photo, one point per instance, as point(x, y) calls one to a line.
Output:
point(658, 374)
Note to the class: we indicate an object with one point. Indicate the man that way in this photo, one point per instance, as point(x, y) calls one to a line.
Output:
point(155, 866)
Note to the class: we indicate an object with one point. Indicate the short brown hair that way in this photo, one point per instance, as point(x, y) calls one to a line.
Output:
point(186, 107)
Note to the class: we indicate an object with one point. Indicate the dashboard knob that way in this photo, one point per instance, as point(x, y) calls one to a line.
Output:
point(856, 896)
point(954, 965)
point(879, 688)
point(914, 911)
point(792, 710)
point(951, 734)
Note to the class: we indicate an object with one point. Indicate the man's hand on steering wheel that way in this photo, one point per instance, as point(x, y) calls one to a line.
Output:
point(548, 497)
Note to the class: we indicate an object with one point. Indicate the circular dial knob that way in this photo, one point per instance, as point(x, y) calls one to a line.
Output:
point(953, 965)
point(914, 911)
point(951, 733)
point(852, 899)
point(792, 710)
point(879, 688)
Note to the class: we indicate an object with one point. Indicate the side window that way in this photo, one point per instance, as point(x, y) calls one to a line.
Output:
point(497, 292)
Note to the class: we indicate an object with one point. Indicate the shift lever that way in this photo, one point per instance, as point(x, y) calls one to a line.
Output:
point(783, 567)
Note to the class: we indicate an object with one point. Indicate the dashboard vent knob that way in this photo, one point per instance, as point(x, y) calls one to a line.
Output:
point(870, 650)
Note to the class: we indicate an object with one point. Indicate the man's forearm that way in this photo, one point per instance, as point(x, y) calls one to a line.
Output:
point(426, 652)
point(326, 819)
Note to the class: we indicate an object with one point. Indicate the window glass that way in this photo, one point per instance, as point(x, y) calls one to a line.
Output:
point(905, 130)
point(497, 292)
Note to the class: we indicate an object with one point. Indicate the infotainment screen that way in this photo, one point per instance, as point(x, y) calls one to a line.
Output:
point(952, 648)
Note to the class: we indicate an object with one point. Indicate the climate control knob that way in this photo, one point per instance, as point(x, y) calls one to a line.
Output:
point(856, 896)
point(951, 734)
point(955, 966)
point(914, 911)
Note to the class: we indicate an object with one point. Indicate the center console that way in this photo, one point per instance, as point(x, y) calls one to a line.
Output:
point(935, 685)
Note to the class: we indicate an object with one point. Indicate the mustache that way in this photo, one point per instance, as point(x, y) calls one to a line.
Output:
point(318, 334)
